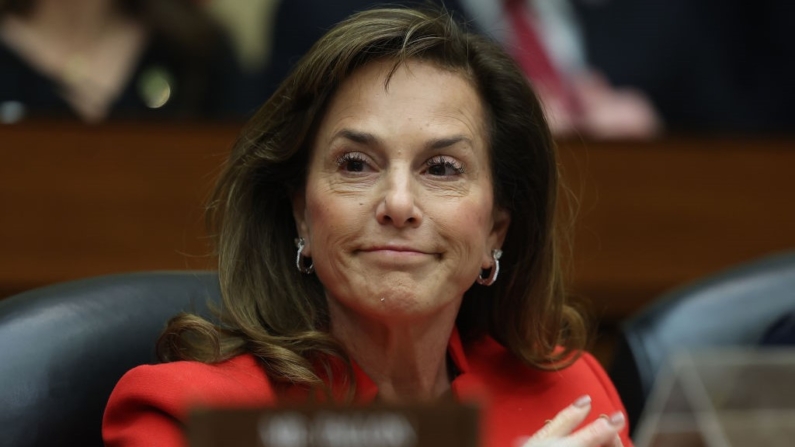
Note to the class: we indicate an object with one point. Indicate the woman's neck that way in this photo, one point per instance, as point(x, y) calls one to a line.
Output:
point(407, 360)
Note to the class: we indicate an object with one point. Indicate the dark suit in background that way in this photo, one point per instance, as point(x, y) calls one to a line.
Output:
point(708, 65)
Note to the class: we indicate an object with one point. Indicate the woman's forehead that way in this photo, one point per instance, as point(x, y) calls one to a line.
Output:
point(418, 95)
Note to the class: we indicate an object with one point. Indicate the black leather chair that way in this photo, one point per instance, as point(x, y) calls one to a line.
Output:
point(732, 308)
point(64, 347)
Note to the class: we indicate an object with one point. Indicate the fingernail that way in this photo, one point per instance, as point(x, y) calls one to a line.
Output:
point(583, 401)
point(617, 418)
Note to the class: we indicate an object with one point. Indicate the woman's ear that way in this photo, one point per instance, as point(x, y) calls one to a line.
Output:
point(299, 214)
point(501, 220)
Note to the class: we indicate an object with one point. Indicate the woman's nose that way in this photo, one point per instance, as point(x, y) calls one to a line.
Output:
point(399, 204)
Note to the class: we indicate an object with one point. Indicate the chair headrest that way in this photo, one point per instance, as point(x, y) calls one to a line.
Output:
point(64, 347)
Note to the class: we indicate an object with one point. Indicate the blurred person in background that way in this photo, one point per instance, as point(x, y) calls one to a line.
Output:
point(542, 35)
point(545, 37)
point(249, 25)
point(101, 59)
point(617, 69)
point(628, 68)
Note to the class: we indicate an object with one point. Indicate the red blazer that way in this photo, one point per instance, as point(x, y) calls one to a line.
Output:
point(149, 406)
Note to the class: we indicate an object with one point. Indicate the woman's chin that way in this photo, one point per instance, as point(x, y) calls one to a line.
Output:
point(392, 306)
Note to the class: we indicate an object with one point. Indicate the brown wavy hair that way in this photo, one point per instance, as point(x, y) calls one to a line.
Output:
point(280, 315)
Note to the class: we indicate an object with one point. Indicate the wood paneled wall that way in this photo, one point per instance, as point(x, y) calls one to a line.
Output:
point(80, 201)
point(654, 216)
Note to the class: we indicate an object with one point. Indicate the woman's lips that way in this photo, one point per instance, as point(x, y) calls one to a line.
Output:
point(396, 254)
point(399, 248)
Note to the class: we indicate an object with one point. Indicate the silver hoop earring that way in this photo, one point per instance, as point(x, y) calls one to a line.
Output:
point(496, 254)
point(299, 261)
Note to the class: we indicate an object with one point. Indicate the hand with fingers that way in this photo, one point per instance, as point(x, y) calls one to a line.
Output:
point(559, 432)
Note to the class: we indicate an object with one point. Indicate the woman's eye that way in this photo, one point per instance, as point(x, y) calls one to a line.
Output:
point(444, 166)
point(352, 162)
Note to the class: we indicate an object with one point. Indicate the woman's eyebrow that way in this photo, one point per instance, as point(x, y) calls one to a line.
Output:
point(357, 137)
point(441, 143)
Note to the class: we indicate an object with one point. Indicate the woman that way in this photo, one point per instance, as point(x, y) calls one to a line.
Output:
point(408, 160)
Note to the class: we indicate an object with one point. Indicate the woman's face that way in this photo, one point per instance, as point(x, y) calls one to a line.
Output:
point(398, 212)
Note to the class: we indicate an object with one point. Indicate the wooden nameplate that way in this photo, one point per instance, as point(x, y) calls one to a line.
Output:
point(380, 425)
